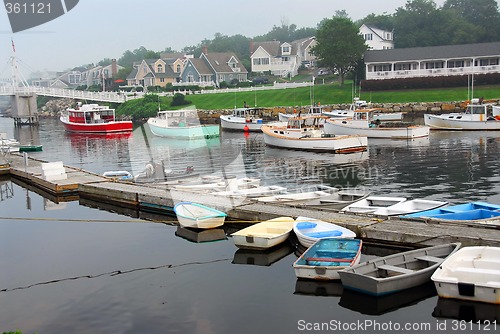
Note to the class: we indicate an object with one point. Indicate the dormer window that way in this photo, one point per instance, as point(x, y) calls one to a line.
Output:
point(159, 68)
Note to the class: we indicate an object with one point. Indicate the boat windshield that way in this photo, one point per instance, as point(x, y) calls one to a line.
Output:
point(365, 115)
point(476, 109)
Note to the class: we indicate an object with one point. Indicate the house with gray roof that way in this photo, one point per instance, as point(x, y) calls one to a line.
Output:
point(432, 61)
point(154, 72)
point(210, 69)
point(282, 59)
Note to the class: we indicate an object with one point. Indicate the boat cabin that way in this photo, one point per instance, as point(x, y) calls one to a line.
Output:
point(306, 122)
point(91, 114)
point(249, 114)
point(176, 118)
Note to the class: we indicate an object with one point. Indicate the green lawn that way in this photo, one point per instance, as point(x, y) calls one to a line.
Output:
point(334, 94)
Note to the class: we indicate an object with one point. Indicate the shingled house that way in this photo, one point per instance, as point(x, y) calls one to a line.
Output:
point(210, 69)
point(432, 61)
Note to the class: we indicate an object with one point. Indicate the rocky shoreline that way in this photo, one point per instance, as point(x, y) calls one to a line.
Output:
point(54, 107)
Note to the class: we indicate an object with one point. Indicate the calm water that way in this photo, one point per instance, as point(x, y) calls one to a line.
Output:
point(70, 267)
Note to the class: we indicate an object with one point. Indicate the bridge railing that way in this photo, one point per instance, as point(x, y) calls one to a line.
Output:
point(117, 97)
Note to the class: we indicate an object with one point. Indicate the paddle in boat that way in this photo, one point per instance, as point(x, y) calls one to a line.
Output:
point(182, 124)
point(195, 215)
point(310, 230)
point(243, 119)
point(472, 273)
point(92, 118)
point(264, 235)
point(306, 133)
point(396, 272)
point(477, 116)
point(363, 123)
point(326, 257)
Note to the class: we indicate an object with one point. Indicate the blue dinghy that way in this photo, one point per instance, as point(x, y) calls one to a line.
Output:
point(467, 211)
point(326, 257)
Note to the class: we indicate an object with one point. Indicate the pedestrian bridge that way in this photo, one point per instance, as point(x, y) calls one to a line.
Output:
point(116, 97)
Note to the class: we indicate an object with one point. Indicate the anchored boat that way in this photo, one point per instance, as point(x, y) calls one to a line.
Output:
point(93, 118)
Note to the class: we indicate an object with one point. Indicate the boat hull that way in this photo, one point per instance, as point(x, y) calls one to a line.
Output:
point(186, 132)
point(279, 137)
point(228, 122)
point(264, 235)
point(397, 272)
point(309, 231)
point(195, 215)
point(109, 127)
point(459, 122)
point(470, 274)
point(345, 127)
point(325, 258)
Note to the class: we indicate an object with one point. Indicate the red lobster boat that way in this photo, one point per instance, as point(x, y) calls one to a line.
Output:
point(92, 118)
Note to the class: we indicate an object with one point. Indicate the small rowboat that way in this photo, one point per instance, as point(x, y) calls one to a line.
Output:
point(264, 235)
point(196, 215)
point(472, 273)
point(309, 230)
point(119, 175)
point(397, 272)
point(325, 258)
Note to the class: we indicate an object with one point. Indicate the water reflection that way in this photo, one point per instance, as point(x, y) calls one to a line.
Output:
point(262, 258)
point(373, 305)
point(466, 311)
point(198, 236)
point(318, 288)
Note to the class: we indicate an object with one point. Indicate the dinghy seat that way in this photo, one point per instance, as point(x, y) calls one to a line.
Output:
point(429, 258)
point(304, 225)
point(324, 234)
point(395, 269)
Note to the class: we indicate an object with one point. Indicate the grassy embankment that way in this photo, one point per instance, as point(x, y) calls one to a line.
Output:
point(324, 94)
point(334, 94)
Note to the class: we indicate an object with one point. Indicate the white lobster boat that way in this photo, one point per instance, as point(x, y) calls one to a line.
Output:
point(363, 123)
point(183, 124)
point(475, 117)
point(243, 119)
point(306, 133)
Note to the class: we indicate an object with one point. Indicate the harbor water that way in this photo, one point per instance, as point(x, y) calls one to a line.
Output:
point(78, 266)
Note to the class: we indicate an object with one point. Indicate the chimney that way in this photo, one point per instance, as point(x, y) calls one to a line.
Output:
point(251, 46)
point(205, 50)
point(114, 68)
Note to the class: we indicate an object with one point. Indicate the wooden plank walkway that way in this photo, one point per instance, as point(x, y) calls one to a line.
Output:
point(158, 199)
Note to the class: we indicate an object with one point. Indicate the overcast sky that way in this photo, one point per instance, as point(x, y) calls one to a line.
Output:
point(98, 29)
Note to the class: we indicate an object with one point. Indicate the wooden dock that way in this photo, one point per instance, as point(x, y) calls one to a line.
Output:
point(150, 201)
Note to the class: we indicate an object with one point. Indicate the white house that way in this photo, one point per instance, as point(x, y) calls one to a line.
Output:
point(282, 59)
point(377, 39)
point(431, 61)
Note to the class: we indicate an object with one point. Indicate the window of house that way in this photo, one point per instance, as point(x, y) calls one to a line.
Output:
point(178, 68)
point(162, 79)
point(436, 64)
point(159, 68)
point(368, 37)
point(488, 62)
point(382, 68)
point(285, 58)
point(285, 49)
point(455, 63)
